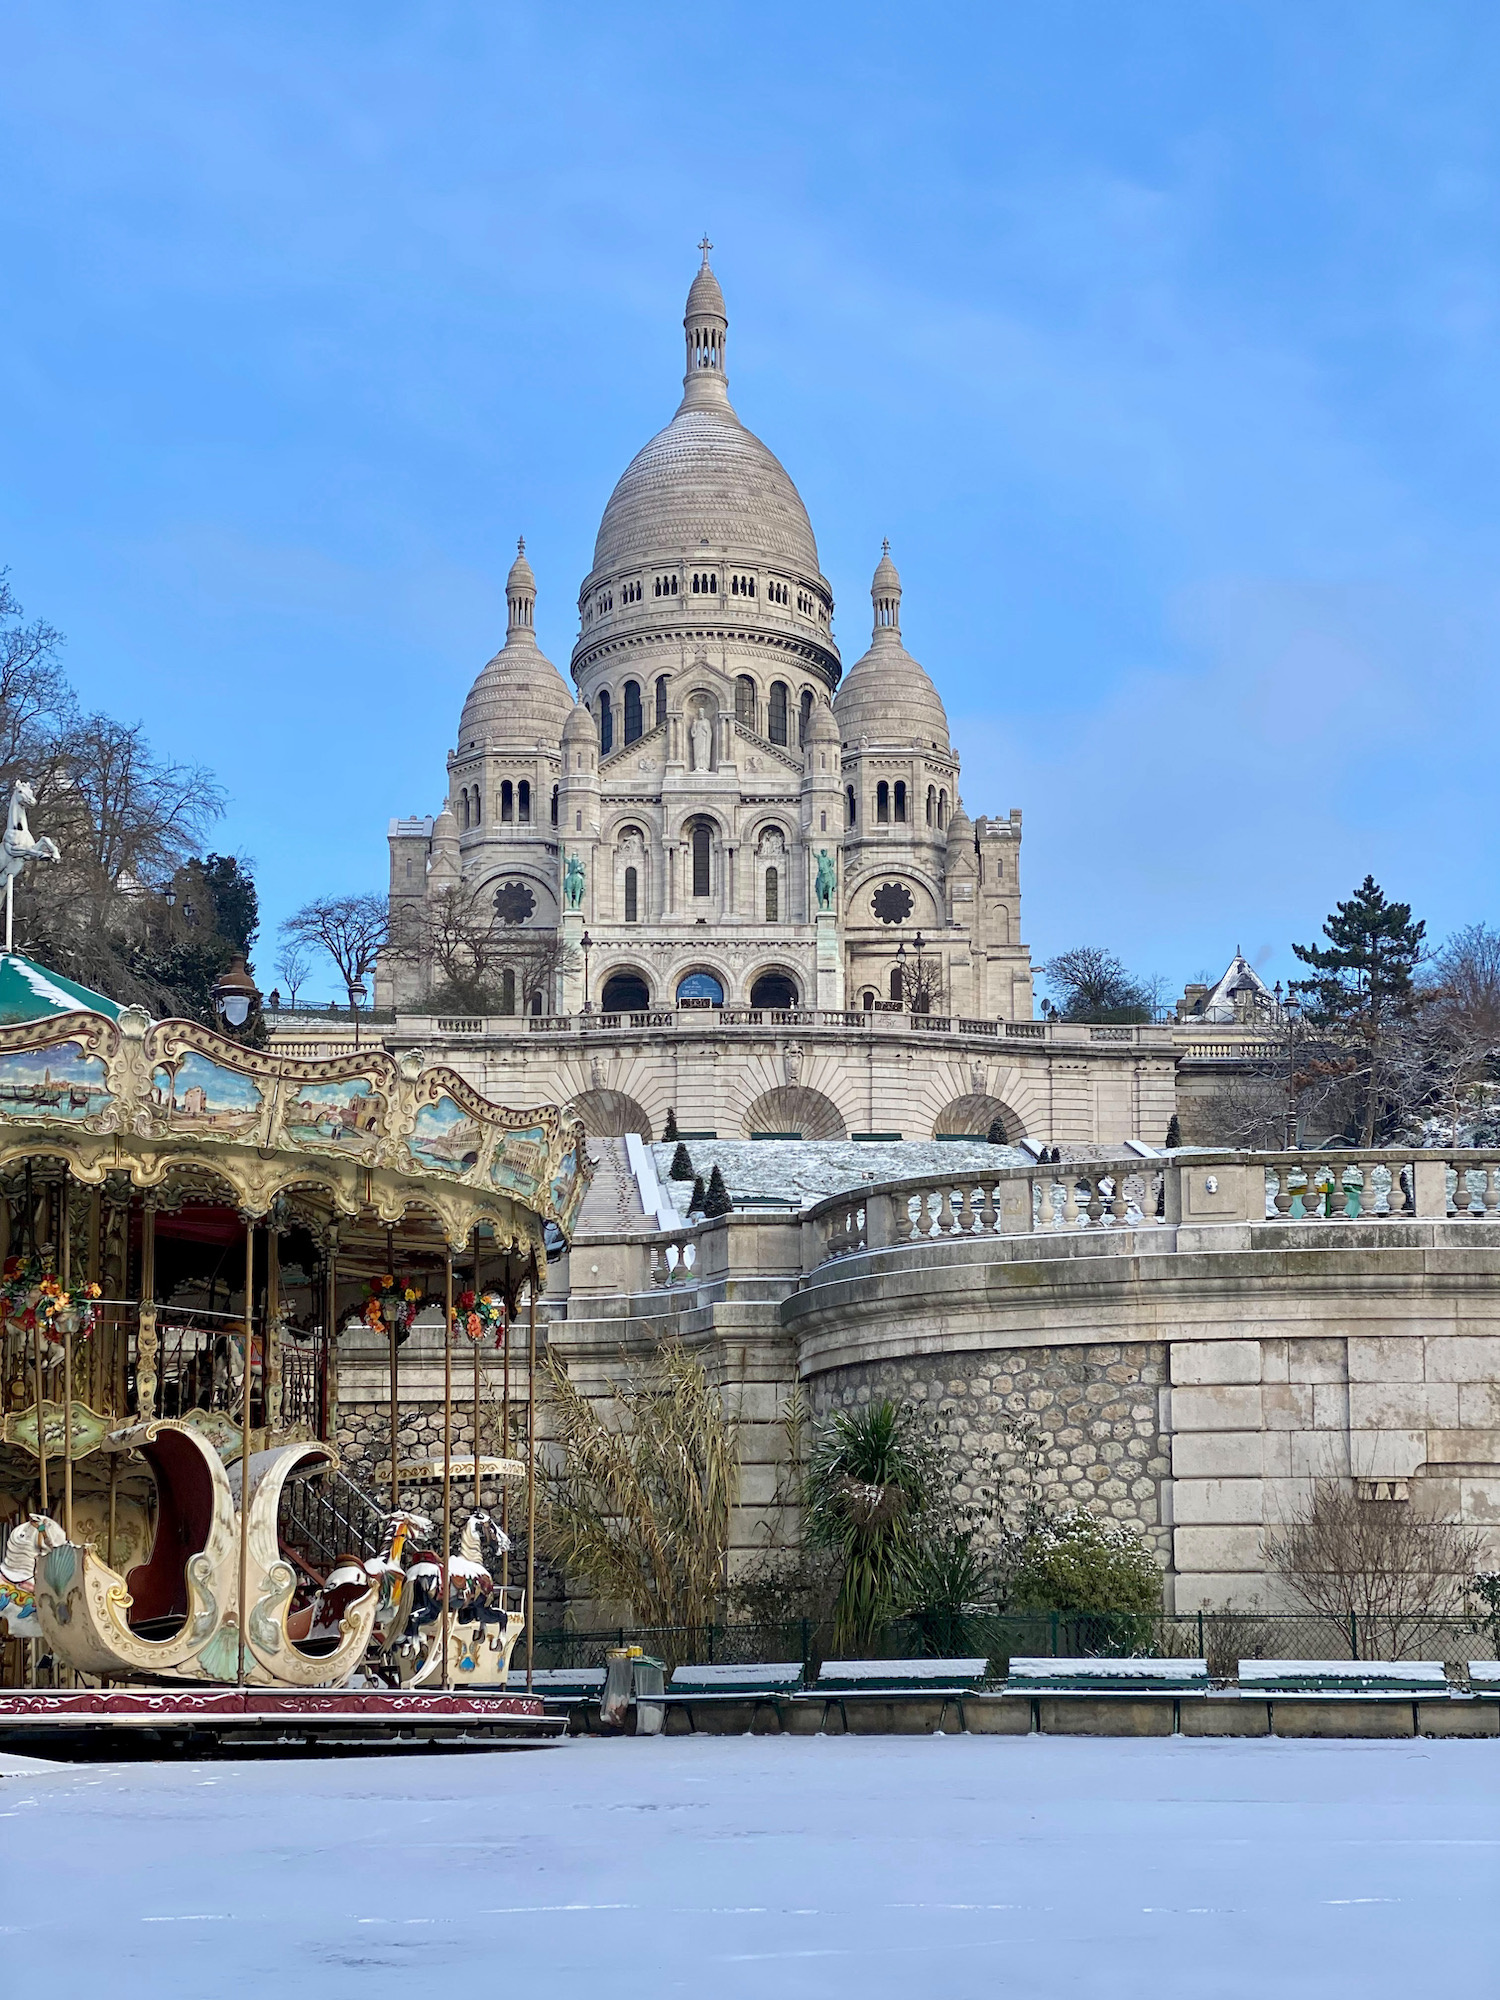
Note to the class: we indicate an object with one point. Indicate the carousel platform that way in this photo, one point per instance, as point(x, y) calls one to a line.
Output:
point(119, 1724)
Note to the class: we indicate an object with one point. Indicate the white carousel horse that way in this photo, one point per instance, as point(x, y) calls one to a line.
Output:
point(388, 1572)
point(23, 1548)
point(19, 846)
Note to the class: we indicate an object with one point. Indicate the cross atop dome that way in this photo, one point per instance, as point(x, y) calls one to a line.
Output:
point(705, 246)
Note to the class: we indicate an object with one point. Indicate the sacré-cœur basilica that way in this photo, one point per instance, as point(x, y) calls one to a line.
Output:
point(794, 927)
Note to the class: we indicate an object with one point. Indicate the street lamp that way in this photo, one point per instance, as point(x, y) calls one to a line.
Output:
point(235, 993)
point(919, 1003)
point(900, 992)
point(588, 944)
point(356, 1001)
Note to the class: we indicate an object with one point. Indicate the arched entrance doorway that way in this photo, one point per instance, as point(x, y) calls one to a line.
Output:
point(774, 989)
point(974, 1115)
point(625, 993)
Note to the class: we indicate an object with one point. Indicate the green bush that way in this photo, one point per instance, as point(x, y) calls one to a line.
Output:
point(1085, 1562)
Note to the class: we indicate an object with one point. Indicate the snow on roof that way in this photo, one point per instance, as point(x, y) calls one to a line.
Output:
point(29, 992)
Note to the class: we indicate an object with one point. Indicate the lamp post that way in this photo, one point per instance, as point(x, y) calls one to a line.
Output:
point(587, 944)
point(919, 1001)
point(356, 1001)
point(235, 993)
point(900, 993)
point(1291, 1014)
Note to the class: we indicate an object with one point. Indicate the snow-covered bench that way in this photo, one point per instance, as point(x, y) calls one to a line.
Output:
point(742, 1683)
point(1343, 1678)
point(1137, 1677)
point(563, 1684)
point(843, 1678)
point(1484, 1676)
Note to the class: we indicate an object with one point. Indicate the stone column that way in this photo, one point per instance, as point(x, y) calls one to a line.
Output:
point(572, 979)
point(830, 961)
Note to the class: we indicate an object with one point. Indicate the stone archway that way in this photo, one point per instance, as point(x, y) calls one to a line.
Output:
point(974, 1114)
point(794, 1108)
point(610, 1114)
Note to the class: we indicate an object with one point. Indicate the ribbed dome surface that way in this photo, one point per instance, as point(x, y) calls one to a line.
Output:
point(706, 478)
point(519, 699)
point(887, 697)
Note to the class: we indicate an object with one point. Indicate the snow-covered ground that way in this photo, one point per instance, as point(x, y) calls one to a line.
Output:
point(944, 1867)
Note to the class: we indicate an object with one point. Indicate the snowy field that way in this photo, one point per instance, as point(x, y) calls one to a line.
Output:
point(947, 1866)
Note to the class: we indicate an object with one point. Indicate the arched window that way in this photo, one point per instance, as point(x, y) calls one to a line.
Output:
point(900, 801)
point(776, 713)
point(508, 990)
point(805, 715)
point(464, 796)
point(744, 701)
point(632, 711)
point(882, 802)
point(867, 1002)
point(523, 802)
point(661, 699)
point(507, 799)
point(702, 860)
point(773, 896)
point(943, 807)
point(896, 982)
point(606, 724)
point(536, 1003)
point(849, 801)
point(554, 805)
point(478, 797)
point(632, 896)
point(931, 804)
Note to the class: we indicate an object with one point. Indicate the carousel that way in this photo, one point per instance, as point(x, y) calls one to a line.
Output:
point(188, 1227)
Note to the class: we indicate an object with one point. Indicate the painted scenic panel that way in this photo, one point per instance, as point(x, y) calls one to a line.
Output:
point(567, 1189)
point(200, 1095)
point(521, 1161)
point(58, 1082)
point(445, 1137)
point(346, 1115)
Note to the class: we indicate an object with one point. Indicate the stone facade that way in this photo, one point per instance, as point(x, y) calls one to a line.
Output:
point(1097, 1412)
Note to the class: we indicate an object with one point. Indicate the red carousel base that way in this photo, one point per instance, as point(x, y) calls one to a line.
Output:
point(118, 1722)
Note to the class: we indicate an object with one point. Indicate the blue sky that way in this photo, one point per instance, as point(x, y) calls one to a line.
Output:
point(1161, 341)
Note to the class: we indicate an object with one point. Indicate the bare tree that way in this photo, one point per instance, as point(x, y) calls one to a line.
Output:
point(472, 961)
point(1091, 984)
point(1393, 1566)
point(352, 930)
point(292, 967)
point(36, 702)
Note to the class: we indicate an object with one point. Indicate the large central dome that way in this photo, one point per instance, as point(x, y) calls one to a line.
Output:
point(705, 478)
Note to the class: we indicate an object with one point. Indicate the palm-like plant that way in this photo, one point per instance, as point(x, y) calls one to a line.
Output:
point(872, 1475)
point(638, 1507)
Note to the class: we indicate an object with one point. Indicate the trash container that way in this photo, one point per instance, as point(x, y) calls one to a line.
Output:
point(634, 1692)
point(650, 1695)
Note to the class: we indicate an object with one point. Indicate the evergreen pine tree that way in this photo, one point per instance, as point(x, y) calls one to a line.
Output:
point(1174, 1133)
point(669, 1130)
point(996, 1133)
point(1362, 995)
point(718, 1202)
point(681, 1168)
point(697, 1198)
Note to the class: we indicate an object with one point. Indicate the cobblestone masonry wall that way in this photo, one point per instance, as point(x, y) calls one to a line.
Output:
point(1097, 1409)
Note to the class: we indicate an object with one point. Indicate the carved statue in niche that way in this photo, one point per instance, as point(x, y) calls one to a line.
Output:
point(772, 843)
point(700, 741)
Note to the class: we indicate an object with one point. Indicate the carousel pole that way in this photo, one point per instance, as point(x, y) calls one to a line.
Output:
point(65, 1262)
point(41, 1427)
point(270, 1335)
point(474, 1239)
point(531, 1476)
point(505, 1449)
point(245, 1439)
point(390, 1327)
point(328, 1412)
point(447, 1444)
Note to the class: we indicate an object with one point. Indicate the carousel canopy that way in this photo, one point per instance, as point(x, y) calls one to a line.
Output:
point(29, 992)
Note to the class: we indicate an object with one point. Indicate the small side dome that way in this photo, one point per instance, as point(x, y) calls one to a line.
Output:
point(960, 831)
point(886, 696)
point(581, 727)
point(821, 724)
point(519, 700)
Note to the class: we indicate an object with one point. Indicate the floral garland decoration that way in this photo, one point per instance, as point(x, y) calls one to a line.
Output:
point(391, 1304)
point(478, 1314)
point(36, 1300)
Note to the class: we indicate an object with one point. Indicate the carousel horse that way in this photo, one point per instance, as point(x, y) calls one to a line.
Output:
point(24, 1546)
point(389, 1573)
point(19, 846)
point(482, 1631)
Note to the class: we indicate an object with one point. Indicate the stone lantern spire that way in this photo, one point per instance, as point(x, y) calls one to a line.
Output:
point(706, 325)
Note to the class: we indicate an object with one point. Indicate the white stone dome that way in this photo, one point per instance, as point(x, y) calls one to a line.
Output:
point(705, 478)
point(519, 700)
point(887, 696)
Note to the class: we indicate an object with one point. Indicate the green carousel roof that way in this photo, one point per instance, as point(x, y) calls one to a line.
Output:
point(29, 992)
